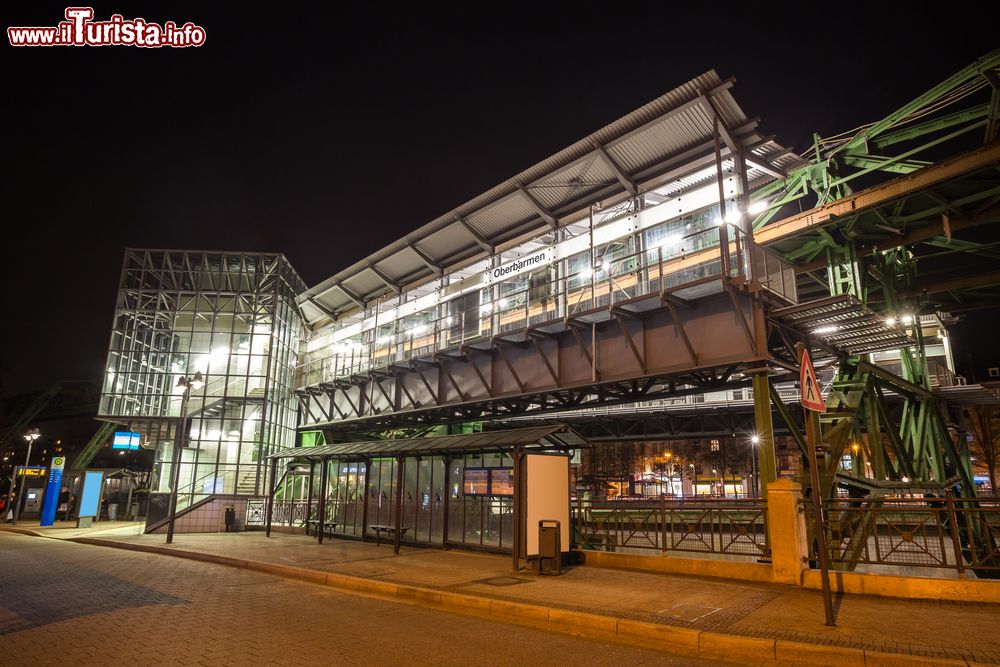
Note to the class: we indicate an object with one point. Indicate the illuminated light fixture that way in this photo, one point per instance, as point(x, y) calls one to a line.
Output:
point(757, 207)
point(755, 439)
point(907, 319)
point(734, 216)
point(196, 382)
point(830, 328)
point(448, 321)
point(719, 221)
point(503, 303)
point(586, 272)
point(891, 321)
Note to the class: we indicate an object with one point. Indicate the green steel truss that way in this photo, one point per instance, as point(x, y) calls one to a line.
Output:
point(902, 256)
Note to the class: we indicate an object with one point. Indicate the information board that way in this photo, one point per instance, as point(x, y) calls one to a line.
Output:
point(90, 497)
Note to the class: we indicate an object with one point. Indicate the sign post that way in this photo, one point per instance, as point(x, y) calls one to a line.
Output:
point(52, 489)
point(812, 403)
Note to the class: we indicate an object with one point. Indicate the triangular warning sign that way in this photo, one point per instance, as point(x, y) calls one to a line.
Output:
point(809, 393)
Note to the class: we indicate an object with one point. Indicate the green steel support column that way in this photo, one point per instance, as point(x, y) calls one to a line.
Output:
point(876, 450)
point(766, 464)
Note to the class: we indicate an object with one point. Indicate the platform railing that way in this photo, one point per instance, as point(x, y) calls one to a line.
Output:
point(926, 533)
point(687, 266)
point(727, 528)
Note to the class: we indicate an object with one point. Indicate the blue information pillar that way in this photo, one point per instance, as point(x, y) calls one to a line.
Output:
point(52, 491)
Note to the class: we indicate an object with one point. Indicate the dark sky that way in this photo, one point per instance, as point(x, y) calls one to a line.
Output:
point(327, 131)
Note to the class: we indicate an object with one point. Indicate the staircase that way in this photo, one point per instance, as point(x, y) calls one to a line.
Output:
point(246, 483)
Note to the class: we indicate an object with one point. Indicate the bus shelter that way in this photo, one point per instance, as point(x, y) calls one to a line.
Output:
point(446, 491)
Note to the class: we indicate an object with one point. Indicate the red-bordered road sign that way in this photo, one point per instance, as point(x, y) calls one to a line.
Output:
point(809, 393)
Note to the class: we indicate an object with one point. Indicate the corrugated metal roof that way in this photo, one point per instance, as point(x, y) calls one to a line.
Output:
point(565, 184)
point(494, 220)
point(557, 435)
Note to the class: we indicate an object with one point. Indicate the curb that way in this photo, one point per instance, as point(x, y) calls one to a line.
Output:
point(20, 531)
point(653, 635)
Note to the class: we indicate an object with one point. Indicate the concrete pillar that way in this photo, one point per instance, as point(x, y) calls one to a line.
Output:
point(787, 529)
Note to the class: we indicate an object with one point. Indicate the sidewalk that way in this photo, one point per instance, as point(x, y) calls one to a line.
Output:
point(752, 623)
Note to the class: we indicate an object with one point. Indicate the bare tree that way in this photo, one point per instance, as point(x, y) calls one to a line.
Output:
point(985, 422)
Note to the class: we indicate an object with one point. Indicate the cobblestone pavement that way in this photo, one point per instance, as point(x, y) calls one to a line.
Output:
point(64, 603)
point(927, 628)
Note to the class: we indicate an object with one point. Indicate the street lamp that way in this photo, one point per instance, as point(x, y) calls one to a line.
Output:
point(670, 471)
point(193, 383)
point(30, 436)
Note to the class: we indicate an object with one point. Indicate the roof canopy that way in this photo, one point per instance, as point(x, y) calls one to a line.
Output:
point(667, 139)
point(558, 435)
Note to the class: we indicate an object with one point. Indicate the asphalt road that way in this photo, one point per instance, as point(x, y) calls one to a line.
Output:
point(64, 603)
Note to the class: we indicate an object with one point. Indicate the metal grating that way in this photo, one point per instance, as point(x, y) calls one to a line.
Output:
point(844, 323)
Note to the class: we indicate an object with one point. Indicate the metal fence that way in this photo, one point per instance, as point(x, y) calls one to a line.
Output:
point(733, 527)
point(283, 512)
point(939, 532)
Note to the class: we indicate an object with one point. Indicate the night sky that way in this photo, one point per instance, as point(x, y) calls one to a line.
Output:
point(327, 135)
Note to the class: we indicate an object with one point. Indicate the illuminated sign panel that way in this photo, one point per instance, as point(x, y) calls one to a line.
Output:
point(126, 440)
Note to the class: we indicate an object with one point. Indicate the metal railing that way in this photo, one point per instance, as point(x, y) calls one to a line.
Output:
point(723, 527)
point(688, 266)
point(221, 482)
point(940, 532)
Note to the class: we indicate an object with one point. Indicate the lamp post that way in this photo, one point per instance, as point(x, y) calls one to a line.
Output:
point(30, 436)
point(194, 383)
point(670, 463)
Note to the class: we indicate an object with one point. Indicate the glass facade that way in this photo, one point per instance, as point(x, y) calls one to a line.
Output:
point(231, 317)
point(436, 491)
point(632, 250)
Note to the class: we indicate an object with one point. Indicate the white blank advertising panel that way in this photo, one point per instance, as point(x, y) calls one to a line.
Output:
point(547, 497)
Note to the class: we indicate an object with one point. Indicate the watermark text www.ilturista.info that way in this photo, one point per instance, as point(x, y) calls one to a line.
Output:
point(80, 29)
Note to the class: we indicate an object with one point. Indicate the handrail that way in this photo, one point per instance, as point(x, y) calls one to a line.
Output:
point(670, 266)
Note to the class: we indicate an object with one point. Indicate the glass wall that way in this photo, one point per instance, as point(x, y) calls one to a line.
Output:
point(231, 317)
point(423, 499)
point(346, 495)
point(625, 252)
point(476, 517)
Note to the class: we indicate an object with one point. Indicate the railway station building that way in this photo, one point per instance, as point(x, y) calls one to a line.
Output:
point(637, 301)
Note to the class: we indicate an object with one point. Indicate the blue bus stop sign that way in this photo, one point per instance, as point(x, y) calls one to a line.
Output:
point(52, 491)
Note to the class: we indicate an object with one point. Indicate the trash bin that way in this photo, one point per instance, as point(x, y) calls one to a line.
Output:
point(230, 519)
point(112, 511)
point(549, 547)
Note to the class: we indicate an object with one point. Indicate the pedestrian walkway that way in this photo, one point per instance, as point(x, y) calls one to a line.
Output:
point(65, 530)
point(747, 621)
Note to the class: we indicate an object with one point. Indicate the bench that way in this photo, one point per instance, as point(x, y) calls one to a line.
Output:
point(388, 530)
point(313, 526)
